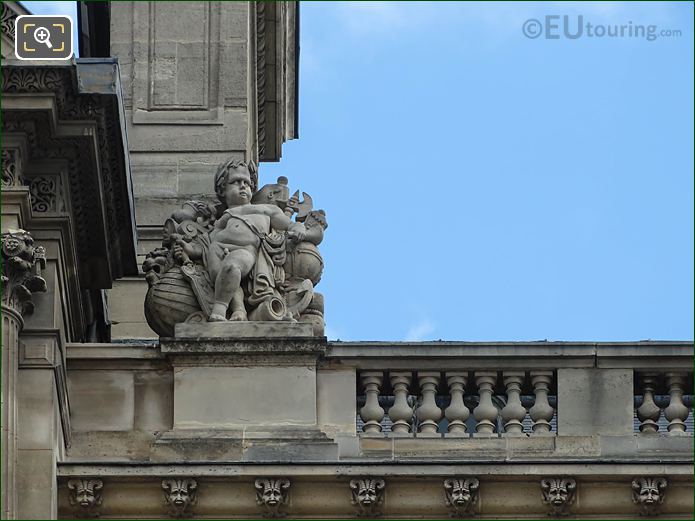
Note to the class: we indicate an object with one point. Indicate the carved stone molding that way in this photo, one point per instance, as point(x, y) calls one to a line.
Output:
point(271, 495)
point(11, 174)
point(93, 214)
point(21, 271)
point(461, 496)
point(260, 76)
point(368, 496)
point(559, 493)
point(180, 495)
point(85, 496)
point(47, 194)
point(649, 493)
point(8, 21)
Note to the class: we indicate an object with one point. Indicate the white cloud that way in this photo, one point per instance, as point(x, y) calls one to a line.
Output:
point(420, 331)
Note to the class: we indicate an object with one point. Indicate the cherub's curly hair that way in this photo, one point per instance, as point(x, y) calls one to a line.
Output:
point(228, 166)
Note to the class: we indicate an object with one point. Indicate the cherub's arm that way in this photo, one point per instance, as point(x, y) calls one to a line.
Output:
point(280, 221)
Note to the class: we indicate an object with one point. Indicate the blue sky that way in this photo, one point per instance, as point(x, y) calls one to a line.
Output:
point(481, 185)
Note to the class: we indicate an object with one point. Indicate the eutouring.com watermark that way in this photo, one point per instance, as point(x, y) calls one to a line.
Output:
point(573, 27)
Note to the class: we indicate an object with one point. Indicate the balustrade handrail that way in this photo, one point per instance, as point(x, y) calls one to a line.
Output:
point(657, 355)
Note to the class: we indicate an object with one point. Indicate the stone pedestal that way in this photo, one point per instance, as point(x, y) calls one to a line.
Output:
point(247, 389)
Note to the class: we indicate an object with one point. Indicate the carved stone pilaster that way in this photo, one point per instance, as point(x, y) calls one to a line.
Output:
point(85, 496)
point(559, 493)
point(649, 493)
point(180, 495)
point(461, 496)
point(22, 262)
point(368, 496)
point(271, 495)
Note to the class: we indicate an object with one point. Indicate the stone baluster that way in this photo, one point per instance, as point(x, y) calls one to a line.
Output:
point(649, 412)
point(541, 412)
point(401, 414)
point(676, 412)
point(457, 413)
point(513, 413)
point(372, 413)
point(428, 413)
point(486, 412)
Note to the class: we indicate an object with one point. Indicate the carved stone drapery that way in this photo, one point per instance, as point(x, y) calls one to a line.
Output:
point(558, 492)
point(180, 495)
point(21, 271)
point(271, 495)
point(461, 496)
point(368, 496)
point(86, 496)
point(649, 493)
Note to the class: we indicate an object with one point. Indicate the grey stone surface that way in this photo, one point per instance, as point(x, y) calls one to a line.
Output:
point(243, 330)
point(228, 397)
point(595, 401)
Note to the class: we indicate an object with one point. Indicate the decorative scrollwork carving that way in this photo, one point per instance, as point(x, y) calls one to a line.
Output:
point(21, 271)
point(85, 496)
point(8, 21)
point(649, 493)
point(180, 495)
point(46, 194)
point(368, 496)
point(461, 496)
point(272, 494)
point(10, 173)
point(558, 492)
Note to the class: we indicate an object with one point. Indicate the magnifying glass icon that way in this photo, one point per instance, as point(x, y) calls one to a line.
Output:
point(42, 35)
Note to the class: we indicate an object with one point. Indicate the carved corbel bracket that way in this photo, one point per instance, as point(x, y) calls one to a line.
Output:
point(461, 496)
point(271, 495)
point(368, 496)
point(559, 493)
point(649, 493)
point(86, 496)
point(22, 262)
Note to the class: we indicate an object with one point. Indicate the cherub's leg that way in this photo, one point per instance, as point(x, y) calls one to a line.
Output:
point(226, 284)
point(238, 309)
point(234, 267)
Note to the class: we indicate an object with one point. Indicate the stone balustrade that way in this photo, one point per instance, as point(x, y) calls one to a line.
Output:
point(217, 428)
point(662, 393)
point(487, 390)
point(457, 403)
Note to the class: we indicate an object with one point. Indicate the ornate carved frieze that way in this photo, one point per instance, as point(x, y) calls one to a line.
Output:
point(180, 495)
point(558, 492)
point(92, 213)
point(47, 194)
point(22, 262)
point(461, 496)
point(649, 493)
point(368, 496)
point(271, 495)
point(86, 496)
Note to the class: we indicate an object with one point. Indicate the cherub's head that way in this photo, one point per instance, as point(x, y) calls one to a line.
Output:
point(234, 182)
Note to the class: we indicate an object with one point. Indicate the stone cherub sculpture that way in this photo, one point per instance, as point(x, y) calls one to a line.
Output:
point(242, 259)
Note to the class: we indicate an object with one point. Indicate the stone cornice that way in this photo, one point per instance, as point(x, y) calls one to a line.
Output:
point(99, 181)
